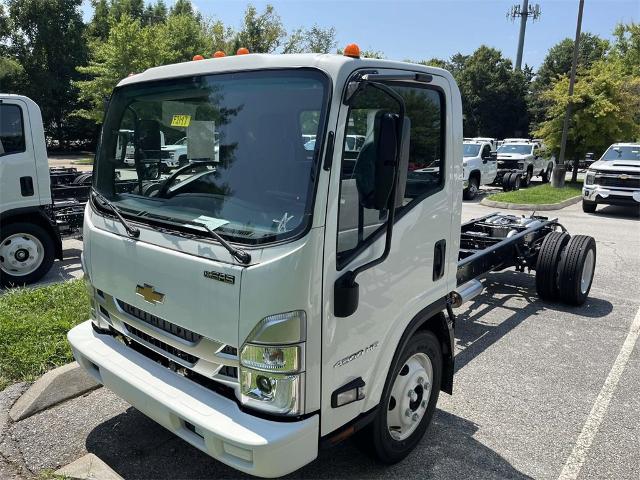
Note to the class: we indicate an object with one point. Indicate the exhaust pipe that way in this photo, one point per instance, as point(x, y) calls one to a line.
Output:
point(465, 292)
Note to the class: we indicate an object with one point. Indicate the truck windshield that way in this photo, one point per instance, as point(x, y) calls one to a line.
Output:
point(517, 149)
point(622, 153)
point(471, 150)
point(225, 150)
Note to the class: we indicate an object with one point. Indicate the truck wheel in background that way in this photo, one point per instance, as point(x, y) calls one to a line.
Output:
point(576, 269)
point(471, 191)
point(26, 254)
point(506, 184)
point(408, 400)
point(588, 207)
point(526, 179)
point(182, 161)
point(548, 264)
point(515, 180)
point(546, 175)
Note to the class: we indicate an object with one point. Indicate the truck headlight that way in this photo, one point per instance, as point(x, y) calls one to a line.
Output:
point(272, 365)
point(590, 178)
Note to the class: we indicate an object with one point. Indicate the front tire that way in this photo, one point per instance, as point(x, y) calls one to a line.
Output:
point(471, 191)
point(526, 179)
point(546, 175)
point(26, 254)
point(588, 207)
point(408, 400)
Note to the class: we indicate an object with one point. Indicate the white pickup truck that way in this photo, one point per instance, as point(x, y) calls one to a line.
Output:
point(479, 167)
point(519, 161)
point(282, 299)
point(614, 179)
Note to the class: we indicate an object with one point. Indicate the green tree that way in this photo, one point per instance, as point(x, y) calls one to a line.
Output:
point(155, 13)
point(260, 32)
point(606, 102)
point(48, 42)
point(626, 47)
point(98, 27)
point(312, 40)
point(183, 7)
point(493, 94)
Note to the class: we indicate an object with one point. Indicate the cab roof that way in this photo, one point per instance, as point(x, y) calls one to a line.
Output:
point(334, 65)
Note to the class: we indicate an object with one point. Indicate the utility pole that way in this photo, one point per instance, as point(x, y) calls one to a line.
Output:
point(559, 173)
point(524, 13)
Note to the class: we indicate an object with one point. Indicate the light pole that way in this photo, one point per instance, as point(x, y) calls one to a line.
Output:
point(559, 173)
point(524, 12)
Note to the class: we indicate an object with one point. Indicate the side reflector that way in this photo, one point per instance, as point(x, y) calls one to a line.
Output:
point(352, 50)
point(242, 51)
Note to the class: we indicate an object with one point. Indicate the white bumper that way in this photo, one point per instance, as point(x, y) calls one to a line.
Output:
point(596, 192)
point(253, 445)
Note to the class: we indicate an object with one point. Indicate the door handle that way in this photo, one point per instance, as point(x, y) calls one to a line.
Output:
point(439, 251)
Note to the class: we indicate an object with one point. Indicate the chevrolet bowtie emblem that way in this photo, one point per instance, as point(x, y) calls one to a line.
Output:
point(623, 176)
point(149, 294)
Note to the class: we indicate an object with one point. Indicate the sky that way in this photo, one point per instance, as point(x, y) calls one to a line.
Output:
point(420, 30)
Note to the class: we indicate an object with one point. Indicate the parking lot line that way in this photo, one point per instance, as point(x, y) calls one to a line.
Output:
point(581, 449)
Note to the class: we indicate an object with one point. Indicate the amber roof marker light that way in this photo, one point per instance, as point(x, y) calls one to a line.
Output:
point(242, 51)
point(352, 50)
point(198, 57)
point(219, 54)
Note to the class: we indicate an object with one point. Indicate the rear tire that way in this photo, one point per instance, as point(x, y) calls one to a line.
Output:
point(515, 180)
point(471, 191)
point(576, 270)
point(26, 254)
point(506, 184)
point(547, 265)
point(589, 207)
point(391, 443)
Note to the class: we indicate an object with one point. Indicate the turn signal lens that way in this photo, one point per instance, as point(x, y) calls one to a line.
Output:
point(242, 51)
point(285, 359)
point(198, 57)
point(352, 50)
point(218, 54)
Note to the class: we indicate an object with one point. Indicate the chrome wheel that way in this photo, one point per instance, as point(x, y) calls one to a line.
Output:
point(21, 254)
point(409, 396)
point(587, 272)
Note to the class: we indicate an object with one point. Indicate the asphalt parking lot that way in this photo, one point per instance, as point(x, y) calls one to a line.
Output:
point(541, 390)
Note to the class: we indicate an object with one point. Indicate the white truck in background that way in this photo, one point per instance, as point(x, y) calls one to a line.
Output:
point(479, 167)
point(519, 160)
point(38, 205)
point(280, 299)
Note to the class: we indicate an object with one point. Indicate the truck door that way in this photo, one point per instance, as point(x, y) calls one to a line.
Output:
point(489, 165)
point(18, 175)
point(362, 345)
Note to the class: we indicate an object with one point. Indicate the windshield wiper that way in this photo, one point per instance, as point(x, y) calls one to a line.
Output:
point(131, 230)
point(240, 255)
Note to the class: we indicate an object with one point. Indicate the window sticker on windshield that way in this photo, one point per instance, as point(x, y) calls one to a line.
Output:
point(181, 121)
point(210, 222)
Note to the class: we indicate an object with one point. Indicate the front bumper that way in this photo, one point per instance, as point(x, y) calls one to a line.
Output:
point(611, 196)
point(206, 420)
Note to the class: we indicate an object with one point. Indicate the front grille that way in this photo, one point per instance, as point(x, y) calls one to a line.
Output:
point(616, 181)
point(507, 163)
point(158, 322)
point(188, 358)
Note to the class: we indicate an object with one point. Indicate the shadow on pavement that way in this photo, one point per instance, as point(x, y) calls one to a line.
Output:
point(617, 211)
point(476, 335)
point(138, 448)
point(67, 269)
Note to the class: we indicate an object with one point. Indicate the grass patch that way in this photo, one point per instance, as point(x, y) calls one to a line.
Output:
point(540, 194)
point(83, 161)
point(33, 326)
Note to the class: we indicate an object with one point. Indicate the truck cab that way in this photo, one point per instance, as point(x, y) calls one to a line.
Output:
point(29, 239)
point(278, 299)
point(479, 167)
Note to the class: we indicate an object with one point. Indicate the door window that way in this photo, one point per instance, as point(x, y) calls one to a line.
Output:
point(11, 129)
point(486, 152)
point(424, 110)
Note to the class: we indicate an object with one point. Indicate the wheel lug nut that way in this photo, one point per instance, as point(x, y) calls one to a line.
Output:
point(415, 417)
point(424, 404)
point(408, 412)
point(420, 380)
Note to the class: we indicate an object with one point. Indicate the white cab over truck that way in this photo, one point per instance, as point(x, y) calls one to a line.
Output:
point(614, 179)
point(479, 167)
point(521, 160)
point(38, 205)
point(279, 299)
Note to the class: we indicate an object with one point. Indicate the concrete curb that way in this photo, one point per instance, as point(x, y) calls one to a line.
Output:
point(53, 387)
point(88, 467)
point(531, 206)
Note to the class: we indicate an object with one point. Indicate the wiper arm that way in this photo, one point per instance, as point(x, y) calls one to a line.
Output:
point(131, 230)
point(240, 255)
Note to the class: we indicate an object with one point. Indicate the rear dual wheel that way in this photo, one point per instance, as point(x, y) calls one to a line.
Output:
point(511, 181)
point(565, 268)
